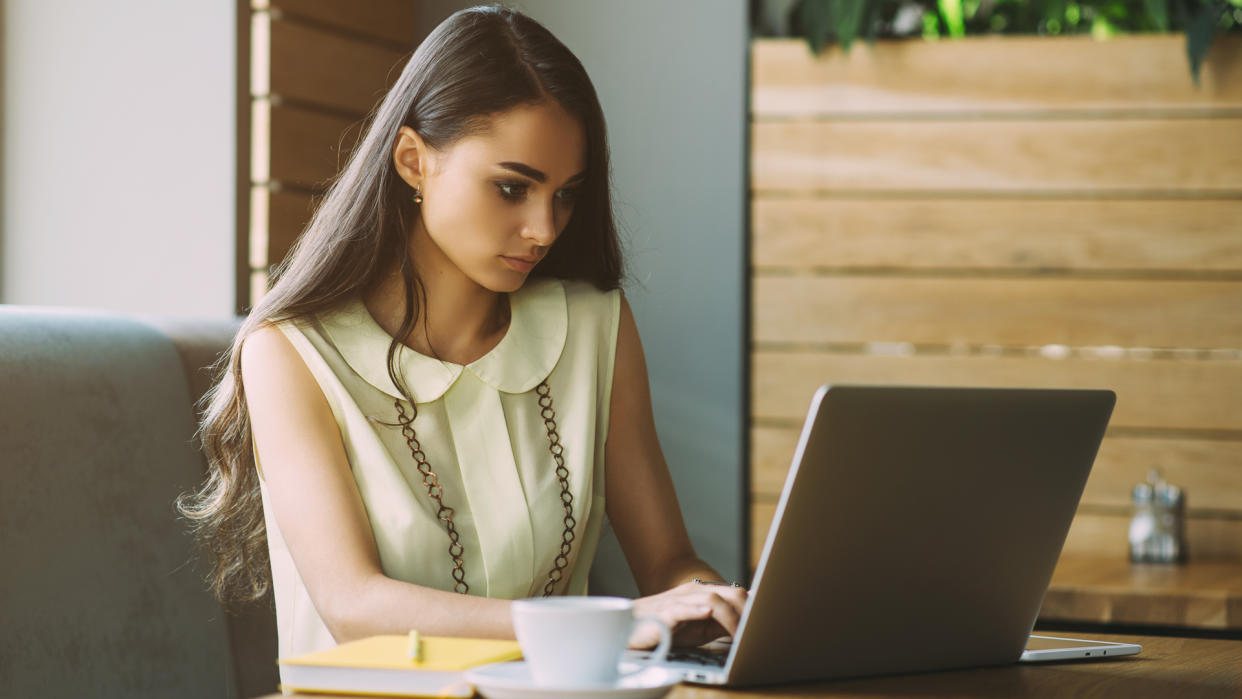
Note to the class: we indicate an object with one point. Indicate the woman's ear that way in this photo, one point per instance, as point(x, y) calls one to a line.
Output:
point(410, 156)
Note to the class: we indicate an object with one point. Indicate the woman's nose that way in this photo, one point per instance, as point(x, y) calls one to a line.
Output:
point(541, 225)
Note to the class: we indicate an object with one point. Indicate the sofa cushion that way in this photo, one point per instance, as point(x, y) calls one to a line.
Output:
point(100, 594)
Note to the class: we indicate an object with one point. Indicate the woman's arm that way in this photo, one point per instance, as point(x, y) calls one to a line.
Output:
point(643, 509)
point(322, 517)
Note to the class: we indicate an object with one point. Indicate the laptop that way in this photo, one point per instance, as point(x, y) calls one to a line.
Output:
point(917, 530)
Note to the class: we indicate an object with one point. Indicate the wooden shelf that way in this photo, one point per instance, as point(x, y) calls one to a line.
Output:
point(1200, 594)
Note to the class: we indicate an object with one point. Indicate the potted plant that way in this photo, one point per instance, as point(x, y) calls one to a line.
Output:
point(842, 21)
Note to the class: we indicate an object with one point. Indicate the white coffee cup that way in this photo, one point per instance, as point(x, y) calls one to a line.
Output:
point(579, 641)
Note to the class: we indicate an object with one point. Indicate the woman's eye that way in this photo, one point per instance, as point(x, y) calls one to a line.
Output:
point(511, 190)
point(516, 191)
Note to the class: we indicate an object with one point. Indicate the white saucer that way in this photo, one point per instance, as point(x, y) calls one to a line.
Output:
point(513, 681)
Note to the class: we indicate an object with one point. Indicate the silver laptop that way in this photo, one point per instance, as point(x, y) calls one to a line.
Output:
point(917, 530)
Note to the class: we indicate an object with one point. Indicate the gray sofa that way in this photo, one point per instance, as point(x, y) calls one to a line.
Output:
point(102, 591)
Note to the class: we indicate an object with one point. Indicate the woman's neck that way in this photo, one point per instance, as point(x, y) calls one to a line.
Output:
point(457, 321)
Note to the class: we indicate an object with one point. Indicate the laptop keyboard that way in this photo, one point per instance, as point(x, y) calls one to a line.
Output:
point(702, 656)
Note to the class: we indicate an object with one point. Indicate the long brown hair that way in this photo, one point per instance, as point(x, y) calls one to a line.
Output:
point(477, 63)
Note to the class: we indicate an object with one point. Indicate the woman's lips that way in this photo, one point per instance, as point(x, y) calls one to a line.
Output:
point(521, 264)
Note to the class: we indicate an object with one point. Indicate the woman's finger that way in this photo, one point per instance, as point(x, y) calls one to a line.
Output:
point(735, 595)
point(684, 612)
point(725, 613)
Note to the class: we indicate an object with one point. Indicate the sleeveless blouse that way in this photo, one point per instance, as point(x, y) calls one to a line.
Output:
point(480, 427)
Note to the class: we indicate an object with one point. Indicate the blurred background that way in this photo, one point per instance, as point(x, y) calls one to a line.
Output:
point(971, 193)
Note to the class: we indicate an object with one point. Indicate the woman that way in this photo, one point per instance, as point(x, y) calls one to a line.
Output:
point(421, 419)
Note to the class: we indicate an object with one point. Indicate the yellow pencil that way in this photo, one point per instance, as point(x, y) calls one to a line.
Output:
point(416, 647)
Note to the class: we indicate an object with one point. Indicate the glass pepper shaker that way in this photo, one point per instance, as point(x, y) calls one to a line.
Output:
point(1170, 507)
point(1157, 527)
point(1142, 524)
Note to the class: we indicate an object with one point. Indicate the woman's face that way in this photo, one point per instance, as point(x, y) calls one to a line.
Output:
point(494, 203)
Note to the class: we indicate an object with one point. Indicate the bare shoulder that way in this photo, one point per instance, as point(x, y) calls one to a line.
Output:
point(628, 342)
point(266, 344)
point(269, 363)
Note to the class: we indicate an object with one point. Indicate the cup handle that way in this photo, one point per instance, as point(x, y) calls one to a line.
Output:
point(660, 654)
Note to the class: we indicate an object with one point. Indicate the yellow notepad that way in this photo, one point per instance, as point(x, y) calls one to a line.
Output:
point(381, 666)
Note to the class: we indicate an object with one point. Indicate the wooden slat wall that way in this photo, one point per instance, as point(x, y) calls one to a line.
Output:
point(1070, 216)
point(318, 68)
point(1039, 156)
point(998, 235)
point(1069, 75)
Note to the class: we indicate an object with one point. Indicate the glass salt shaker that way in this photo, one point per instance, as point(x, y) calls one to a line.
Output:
point(1157, 528)
point(1170, 507)
point(1142, 524)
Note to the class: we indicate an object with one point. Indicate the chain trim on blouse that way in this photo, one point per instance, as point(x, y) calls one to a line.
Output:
point(445, 513)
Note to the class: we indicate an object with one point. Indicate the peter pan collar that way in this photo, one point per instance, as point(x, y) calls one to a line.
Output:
point(525, 356)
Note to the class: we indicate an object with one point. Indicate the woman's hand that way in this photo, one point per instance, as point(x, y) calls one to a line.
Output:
point(696, 612)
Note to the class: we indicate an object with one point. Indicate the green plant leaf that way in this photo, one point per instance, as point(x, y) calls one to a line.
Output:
point(1200, 28)
point(1051, 16)
point(1158, 12)
point(871, 15)
point(954, 18)
point(1073, 13)
point(821, 21)
point(772, 17)
point(845, 21)
point(1102, 29)
point(813, 19)
point(931, 26)
point(849, 15)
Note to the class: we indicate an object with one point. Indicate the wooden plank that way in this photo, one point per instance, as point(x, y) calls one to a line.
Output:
point(761, 514)
point(257, 228)
point(1170, 394)
point(258, 286)
point(1025, 74)
point(1058, 156)
point(289, 214)
point(771, 451)
point(1094, 534)
point(1110, 589)
point(278, 217)
point(390, 20)
point(1022, 311)
point(1089, 535)
point(1012, 234)
point(308, 147)
point(313, 66)
point(242, 144)
point(1209, 471)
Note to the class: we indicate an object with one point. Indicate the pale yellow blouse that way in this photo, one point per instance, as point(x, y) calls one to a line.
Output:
point(480, 428)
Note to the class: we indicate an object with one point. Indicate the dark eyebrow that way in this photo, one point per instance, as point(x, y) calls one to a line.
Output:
point(536, 175)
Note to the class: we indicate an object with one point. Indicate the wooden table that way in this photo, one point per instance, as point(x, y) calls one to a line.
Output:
point(1197, 595)
point(1167, 668)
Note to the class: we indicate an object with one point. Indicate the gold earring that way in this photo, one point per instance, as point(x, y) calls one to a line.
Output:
point(418, 195)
